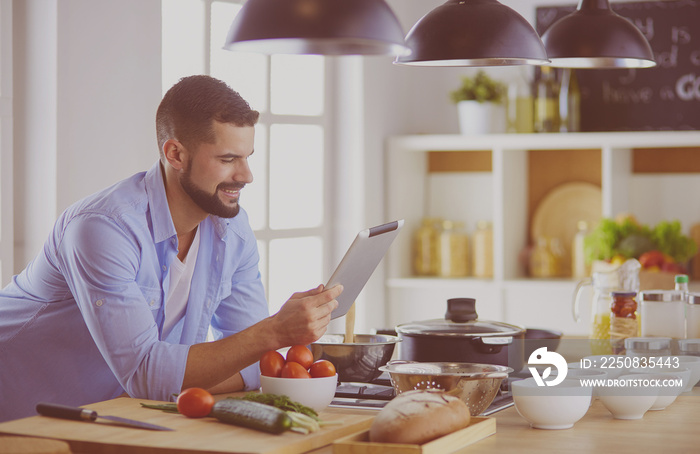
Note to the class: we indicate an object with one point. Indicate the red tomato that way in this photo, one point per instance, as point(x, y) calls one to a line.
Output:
point(294, 370)
point(300, 354)
point(271, 363)
point(195, 402)
point(322, 368)
point(651, 258)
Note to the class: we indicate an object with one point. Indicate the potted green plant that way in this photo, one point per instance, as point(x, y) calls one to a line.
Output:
point(480, 104)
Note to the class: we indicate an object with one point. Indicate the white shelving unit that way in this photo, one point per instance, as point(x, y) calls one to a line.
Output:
point(510, 296)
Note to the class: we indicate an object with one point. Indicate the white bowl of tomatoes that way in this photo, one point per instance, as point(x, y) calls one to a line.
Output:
point(298, 377)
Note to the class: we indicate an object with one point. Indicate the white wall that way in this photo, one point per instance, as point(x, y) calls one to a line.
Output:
point(87, 85)
point(414, 100)
point(407, 100)
point(88, 80)
point(34, 74)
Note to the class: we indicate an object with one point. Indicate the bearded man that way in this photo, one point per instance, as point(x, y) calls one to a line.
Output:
point(131, 280)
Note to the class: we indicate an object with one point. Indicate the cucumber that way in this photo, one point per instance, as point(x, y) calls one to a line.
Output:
point(252, 415)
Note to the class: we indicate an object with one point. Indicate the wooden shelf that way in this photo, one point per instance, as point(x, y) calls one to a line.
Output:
point(502, 178)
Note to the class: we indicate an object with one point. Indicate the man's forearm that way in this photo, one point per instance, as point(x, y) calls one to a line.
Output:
point(212, 365)
point(301, 320)
point(230, 385)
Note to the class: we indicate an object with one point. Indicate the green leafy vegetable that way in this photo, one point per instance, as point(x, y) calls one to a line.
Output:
point(670, 240)
point(634, 245)
point(630, 239)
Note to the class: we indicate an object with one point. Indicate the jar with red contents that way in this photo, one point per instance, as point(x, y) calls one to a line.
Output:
point(623, 320)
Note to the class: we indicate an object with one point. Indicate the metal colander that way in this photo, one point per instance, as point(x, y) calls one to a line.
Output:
point(475, 384)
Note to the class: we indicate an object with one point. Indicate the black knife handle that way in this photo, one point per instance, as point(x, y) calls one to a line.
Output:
point(65, 412)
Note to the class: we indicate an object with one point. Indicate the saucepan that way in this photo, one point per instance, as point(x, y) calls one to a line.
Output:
point(461, 337)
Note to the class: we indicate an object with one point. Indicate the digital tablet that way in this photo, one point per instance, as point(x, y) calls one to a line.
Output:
point(360, 261)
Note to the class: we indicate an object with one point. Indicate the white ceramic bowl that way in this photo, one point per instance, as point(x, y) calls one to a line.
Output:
point(551, 407)
point(591, 373)
point(667, 394)
point(628, 400)
point(577, 373)
point(692, 363)
point(316, 393)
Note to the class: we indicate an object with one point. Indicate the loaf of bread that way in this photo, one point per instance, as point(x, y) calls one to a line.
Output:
point(416, 417)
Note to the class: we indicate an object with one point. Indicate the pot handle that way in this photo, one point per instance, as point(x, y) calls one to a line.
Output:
point(492, 344)
point(577, 296)
point(461, 310)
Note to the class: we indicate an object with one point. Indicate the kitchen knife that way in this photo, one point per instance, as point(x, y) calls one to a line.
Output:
point(83, 414)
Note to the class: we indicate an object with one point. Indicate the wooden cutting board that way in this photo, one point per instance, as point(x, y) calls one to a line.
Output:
point(205, 435)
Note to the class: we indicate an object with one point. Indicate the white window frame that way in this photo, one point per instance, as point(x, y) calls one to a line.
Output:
point(326, 121)
point(6, 144)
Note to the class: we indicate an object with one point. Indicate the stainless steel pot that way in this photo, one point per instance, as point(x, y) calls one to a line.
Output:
point(358, 361)
point(461, 337)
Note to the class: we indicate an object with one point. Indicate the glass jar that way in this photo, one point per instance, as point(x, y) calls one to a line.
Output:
point(662, 314)
point(482, 250)
point(623, 320)
point(689, 347)
point(453, 250)
point(543, 263)
point(425, 248)
point(648, 346)
point(624, 278)
point(561, 265)
point(692, 316)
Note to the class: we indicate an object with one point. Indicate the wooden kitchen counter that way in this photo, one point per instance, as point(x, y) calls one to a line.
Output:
point(674, 430)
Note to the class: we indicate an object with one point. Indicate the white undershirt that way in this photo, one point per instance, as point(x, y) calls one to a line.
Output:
point(179, 290)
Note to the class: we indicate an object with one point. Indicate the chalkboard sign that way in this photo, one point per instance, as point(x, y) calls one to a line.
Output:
point(666, 97)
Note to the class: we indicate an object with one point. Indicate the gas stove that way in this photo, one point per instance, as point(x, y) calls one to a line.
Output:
point(377, 394)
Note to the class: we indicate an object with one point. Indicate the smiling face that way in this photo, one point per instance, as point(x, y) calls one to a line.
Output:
point(214, 174)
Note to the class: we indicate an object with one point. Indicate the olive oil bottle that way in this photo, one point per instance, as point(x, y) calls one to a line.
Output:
point(546, 112)
point(569, 102)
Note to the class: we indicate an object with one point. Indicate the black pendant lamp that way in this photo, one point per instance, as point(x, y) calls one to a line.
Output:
point(594, 36)
point(336, 27)
point(473, 33)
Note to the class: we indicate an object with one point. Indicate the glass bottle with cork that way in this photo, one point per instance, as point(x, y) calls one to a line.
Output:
point(579, 268)
point(520, 104)
point(546, 103)
point(623, 320)
point(569, 102)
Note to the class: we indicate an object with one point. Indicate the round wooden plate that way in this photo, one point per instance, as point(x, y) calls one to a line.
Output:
point(558, 214)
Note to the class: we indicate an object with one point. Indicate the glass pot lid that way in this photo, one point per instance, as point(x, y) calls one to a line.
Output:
point(460, 320)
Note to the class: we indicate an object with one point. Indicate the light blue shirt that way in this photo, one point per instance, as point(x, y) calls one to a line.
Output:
point(83, 322)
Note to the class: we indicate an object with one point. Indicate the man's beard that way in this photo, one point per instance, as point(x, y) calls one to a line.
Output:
point(210, 202)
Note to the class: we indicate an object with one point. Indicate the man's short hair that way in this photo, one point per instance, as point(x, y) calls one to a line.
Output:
point(190, 107)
